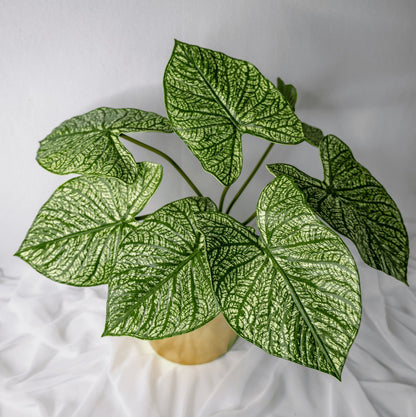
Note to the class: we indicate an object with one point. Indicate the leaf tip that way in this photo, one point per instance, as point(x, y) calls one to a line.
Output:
point(269, 168)
point(177, 43)
point(19, 252)
point(335, 372)
point(403, 280)
point(337, 376)
point(106, 331)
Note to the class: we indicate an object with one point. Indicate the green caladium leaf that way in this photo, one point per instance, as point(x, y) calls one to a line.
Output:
point(355, 204)
point(212, 99)
point(89, 144)
point(294, 291)
point(75, 236)
point(289, 92)
point(161, 285)
point(313, 135)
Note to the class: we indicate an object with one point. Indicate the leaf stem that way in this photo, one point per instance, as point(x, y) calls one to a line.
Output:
point(249, 219)
point(249, 178)
point(142, 217)
point(165, 156)
point(224, 192)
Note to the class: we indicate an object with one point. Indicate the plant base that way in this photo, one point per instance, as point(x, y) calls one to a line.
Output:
point(202, 345)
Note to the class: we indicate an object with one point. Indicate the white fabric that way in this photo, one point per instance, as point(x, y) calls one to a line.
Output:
point(54, 363)
point(353, 63)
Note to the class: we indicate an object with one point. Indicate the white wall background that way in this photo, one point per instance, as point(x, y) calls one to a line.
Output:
point(353, 63)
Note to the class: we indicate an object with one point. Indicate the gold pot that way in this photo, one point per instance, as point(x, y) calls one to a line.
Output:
point(202, 345)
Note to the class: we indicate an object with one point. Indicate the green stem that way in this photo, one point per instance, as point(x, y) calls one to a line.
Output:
point(167, 157)
point(142, 217)
point(249, 219)
point(224, 192)
point(250, 177)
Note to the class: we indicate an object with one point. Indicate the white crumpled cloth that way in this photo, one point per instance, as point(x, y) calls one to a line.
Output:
point(53, 362)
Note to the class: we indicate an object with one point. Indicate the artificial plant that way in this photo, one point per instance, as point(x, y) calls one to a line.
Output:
point(291, 287)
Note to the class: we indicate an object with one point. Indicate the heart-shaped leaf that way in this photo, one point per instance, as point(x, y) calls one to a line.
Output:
point(89, 144)
point(294, 291)
point(212, 99)
point(355, 204)
point(75, 236)
point(161, 285)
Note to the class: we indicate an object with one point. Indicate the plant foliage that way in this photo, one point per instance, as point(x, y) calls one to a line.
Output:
point(89, 144)
point(212, 99)
point(295, 282)
point(292, 287)
point(355, 204)
point(162, 285)
point(74, 238)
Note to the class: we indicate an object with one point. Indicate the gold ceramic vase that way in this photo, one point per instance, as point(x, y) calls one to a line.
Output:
point(202, 345)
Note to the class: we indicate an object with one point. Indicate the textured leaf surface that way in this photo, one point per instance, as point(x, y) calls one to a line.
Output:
point(75, 236)
point(355, 204)
point(89, 144)
point(161, 284)
point(288, 91)
point(313, 135)
point(212, 99)
point(294, 291)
